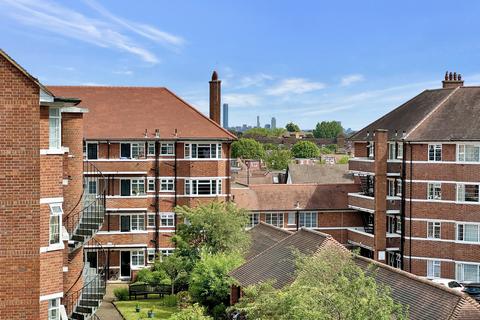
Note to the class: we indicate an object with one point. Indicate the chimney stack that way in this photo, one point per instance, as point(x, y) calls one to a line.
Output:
point(215, 98)
point(452, 80)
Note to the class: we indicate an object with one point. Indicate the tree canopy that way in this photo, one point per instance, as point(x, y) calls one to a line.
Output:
point(327, 129)
point(305, 149)
point(292, 127)
point(215, 227)
point(263, 132)
point(329, 285)
point(246, 148)
point(278, 159)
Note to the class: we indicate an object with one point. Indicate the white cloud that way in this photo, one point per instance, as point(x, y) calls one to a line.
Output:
point(294, 85)
point(52, 17)
point(256, 80)
point(351, 79)
point(124, 72)
point(242, 100)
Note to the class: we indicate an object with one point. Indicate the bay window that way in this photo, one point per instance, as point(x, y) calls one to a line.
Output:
point(203, 187)
point(468, 153)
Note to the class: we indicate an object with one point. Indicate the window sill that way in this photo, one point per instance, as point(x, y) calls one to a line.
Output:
point(123, 232)
point(136, 268)
point(52, 151)
point(52, 247)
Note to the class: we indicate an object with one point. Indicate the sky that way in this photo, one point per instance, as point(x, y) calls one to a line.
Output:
point(300, 61)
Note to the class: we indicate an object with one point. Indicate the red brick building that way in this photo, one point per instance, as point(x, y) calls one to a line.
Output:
point(42, 201)
point(419, 168)
point(154, 151)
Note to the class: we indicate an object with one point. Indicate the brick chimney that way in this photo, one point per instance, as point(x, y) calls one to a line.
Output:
point(452, 80)
point(215, 98)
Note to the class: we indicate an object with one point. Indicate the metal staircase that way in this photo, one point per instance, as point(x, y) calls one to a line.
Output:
point(82, 223)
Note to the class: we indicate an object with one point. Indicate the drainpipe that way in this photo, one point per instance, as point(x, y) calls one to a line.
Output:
point(410, 207)
point(157, 194)
point(403, 202)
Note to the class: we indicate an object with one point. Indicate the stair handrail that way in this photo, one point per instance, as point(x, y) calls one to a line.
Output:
point(71, 220)
point(71, 298)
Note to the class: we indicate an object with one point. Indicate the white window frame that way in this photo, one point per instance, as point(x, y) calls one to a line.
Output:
point(149, 216)
point(150, 252)
point(86, 150)
point(137, 222)
point(391, 192)
point(191, 150)
point(462, 152)
point(140, 150)
point(312, 219)
point(461, 192)
point(434, 191)
point(460, 272)
point(166, 252)
point(137, 182)
point(138, 255)
point(167, 184)
point(169, 217)
point(54, 136)
point(436, 147)
point(371, 149)
point(399, 188)
point(151, 184)
point(56, 212)
point(291, 219)
point(460, 232)
point(279, 218)
point(54, 309)
point(170, 149)
point(392, 151)
point(192, 186)
point(434, 226)
point(434, 269)
point(90, 183)
point(149, 148)
point(400, 150)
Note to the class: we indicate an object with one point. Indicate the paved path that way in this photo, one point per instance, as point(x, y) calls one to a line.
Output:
point(107, 311)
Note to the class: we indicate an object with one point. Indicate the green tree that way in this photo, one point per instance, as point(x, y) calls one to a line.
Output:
point(209, 280)
point(327, 129)
point(215, 227)
point(278, 159)
point(305, 149)
point(329, 285)
point(292, 127)
point(173, 266)
point(263, 132)
point(194, 312)
point(246, 148)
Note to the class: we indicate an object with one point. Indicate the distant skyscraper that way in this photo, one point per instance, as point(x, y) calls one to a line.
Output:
point(273, 123)
point(258, 121)
point(225, 115)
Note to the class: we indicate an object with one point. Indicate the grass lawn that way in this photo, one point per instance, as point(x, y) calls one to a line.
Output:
point(127, 309)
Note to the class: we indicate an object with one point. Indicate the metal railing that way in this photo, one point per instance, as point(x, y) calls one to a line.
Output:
point(82, 224)
point(85, 301)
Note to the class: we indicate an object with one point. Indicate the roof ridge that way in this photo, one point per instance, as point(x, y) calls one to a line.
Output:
point(107, 86)
point(325, 235)
point(441, 103)
point(263, 223)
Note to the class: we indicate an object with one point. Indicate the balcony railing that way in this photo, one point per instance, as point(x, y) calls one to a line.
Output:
point(86, 218)
point(82, 303)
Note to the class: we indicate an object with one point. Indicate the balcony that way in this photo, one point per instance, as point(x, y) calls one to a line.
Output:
point(362, 202)
point(358, 237)
point(393, 240)
point(367, 165)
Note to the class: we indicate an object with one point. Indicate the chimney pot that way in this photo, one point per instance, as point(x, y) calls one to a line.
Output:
point(452, 80)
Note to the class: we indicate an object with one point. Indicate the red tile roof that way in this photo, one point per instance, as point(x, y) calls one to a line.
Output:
point(285, 196)
point(125, 113)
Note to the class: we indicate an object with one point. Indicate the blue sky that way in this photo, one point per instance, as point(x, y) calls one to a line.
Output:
point(301, 61)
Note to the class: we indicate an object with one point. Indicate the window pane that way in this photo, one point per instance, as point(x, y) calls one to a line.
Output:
point(92, 151)
point(471, 232)
point(125, 150)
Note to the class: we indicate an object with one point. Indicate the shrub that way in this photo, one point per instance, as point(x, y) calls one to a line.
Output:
point(169, 300)
point(183, 299)
point(145, 275)
point(194, 312)
point(343, 160)
point(121, 293)
point(219, 311)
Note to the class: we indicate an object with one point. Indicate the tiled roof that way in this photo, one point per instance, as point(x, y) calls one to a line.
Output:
point(433, 115)
point(126, 112)
point(263, 236)
point(319, 173)
point(425, 299)
point(278, 261)
point(285, 196)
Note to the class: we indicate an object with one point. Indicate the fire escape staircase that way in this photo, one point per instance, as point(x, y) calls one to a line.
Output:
point(82, 223)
